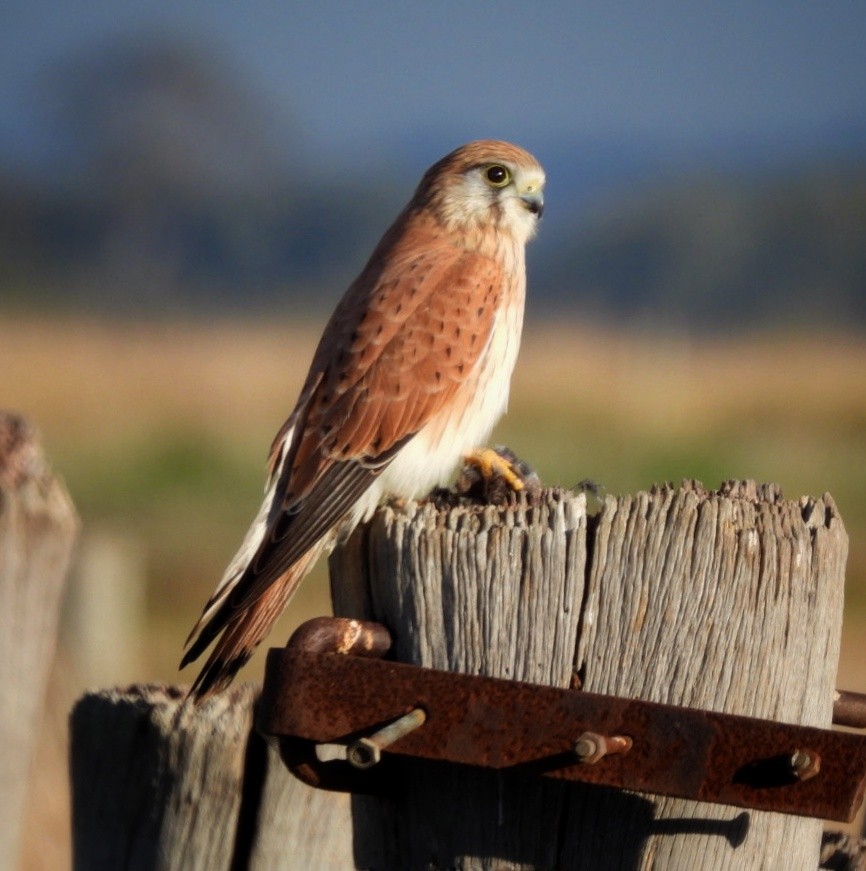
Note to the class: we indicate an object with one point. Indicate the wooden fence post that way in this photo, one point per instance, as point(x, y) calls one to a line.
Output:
point(730, 601)
point(37, 531)
point(158, 783)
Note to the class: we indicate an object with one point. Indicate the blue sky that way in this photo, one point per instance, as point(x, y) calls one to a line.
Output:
point(364, 76)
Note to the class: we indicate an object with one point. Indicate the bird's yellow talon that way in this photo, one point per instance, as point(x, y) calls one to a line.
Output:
point(490, 464)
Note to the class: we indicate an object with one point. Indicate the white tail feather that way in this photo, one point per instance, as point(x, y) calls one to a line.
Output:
point(248, 549)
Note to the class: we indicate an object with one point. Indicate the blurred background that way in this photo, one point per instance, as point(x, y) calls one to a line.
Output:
point(187, 188)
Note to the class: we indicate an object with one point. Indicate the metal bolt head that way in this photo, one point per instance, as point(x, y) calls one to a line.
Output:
point(363, 753)
point(805, 764)
point(589, 747)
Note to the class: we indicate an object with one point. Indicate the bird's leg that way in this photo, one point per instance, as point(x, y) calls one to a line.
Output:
point(491, 463)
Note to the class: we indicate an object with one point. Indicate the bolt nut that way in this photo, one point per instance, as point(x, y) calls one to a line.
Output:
point(590, 747)
point(805, 764)
point(363, 753)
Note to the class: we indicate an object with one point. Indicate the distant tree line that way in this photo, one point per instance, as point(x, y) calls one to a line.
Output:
point(722, 251)
point(170, 192)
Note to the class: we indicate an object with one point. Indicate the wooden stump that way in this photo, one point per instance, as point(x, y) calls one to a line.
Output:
point(38, 526)
point(730, 601)
point(158, 783)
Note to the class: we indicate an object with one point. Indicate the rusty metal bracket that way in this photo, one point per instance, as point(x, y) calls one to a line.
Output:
point(345, 720)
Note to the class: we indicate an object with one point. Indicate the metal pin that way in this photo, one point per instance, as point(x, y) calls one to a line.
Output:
point(849, 709)
point(366, 752)
point(590, 746)
point(805, 764)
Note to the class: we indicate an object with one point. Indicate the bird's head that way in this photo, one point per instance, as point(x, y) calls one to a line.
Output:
point(484, 185)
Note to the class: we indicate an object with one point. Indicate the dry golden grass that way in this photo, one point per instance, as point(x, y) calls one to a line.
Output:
point(161, 430)
point(108, 382)
point(94, 386)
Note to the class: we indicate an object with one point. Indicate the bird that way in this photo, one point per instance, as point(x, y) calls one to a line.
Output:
point(410, 376)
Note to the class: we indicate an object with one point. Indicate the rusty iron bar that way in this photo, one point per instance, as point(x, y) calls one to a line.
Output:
point(849, 709)
point(342, 635)
point(312, 697)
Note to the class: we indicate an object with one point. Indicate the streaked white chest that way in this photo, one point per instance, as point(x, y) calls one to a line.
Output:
point(430, 458)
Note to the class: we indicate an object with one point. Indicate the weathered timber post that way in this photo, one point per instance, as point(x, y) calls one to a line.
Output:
point(37, 532)
point(158, 783)
point(729, 601)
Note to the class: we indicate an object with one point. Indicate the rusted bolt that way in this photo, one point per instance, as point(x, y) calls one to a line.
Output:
point(366, 752)
point(805, 764)
point(590, 746)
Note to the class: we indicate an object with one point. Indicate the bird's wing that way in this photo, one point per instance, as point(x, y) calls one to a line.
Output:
point(392, 356)
point(393, 360)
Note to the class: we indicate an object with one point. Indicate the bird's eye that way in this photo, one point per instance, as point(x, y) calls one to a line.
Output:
point(497, 175)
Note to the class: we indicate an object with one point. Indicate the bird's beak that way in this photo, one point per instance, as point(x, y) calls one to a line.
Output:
point(534, 202)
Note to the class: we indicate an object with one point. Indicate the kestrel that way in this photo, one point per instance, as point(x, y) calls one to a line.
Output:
point(411, 374)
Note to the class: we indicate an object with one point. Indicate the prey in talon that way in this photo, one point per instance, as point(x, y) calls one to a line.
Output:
point(495, 475)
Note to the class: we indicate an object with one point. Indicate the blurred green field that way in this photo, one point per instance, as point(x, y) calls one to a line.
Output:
point(161, 432)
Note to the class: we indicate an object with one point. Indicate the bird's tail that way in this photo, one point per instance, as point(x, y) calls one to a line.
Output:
point(244, 631)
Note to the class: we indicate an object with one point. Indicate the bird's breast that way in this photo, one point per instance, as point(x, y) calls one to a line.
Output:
point(466, 421)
